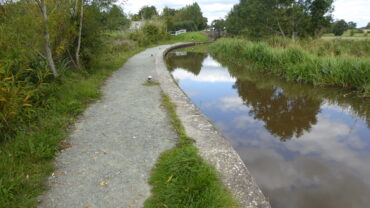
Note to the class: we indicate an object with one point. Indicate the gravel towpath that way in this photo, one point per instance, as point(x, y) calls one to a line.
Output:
point(115, 143)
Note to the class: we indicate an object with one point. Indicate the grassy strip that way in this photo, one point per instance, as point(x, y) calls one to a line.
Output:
point(191, 37)
point(203, 48)
point(181, 179)
point(294, 63)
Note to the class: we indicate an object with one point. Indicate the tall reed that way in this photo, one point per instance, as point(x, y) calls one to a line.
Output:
point(295, 63)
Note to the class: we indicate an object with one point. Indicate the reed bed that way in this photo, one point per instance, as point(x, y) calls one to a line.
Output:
point(296, 63)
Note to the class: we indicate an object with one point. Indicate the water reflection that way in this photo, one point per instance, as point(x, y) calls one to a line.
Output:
point(181, 60)
point(284, 116)
point(324, 161)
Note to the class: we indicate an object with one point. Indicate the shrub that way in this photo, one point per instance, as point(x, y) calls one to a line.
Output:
point(152, 32)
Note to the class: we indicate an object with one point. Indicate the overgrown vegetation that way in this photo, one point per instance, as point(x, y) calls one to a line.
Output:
point(152, 32)
point(321, 47)
point(295, 63)
point(26, 158)
point(40, 42)
point(181, 179)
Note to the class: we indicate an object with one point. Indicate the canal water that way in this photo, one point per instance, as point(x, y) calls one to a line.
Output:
point(306, 147)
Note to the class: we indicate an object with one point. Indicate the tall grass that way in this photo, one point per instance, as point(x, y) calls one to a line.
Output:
point(295, 63)
point(322, 47)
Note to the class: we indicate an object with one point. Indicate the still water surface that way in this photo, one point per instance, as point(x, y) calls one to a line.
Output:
point(306, 147)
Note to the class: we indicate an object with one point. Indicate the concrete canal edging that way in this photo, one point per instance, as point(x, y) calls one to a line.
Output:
point(212, 145)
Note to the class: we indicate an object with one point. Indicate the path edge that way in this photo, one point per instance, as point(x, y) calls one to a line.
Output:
point(213, 147)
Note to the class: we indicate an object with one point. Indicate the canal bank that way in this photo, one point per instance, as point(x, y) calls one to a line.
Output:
point(305, 146)
point(212, 145)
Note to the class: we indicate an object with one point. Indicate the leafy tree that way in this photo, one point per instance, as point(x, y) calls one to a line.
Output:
point(218, 24)
point(340, 27)
point(352, 25)
point(189, 18)
point(116, 19)
point(262, 18)
point(147, 12)
point(368, 26)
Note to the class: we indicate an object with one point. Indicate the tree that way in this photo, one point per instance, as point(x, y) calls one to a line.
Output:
point(192, 17)
point(189, 18)
point(340, 27)
point(352, 25)
point(147, 12)
point(368, 26)
point(218, 24)
point(79, 34)
point(49, 56)
point(319, 20)
point(258, 19)
point(116, 19)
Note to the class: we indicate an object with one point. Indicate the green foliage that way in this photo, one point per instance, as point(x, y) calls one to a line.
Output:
point(148, 12)
point(219, 24)
point(26, 158)
point(288, 18)
point(295, 63)
point(191, 37)
point(23, 69)
point(182, 179)
point(115, 19)
point(189, 18)
point(322, 47)
point(152, 32)
point(339, 27)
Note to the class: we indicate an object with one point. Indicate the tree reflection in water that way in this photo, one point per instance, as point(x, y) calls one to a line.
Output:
point(285, 117)
point(189, 61)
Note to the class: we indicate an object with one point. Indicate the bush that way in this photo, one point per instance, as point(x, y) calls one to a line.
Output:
point(152, 32)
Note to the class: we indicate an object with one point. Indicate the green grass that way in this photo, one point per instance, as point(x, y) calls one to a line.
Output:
point(191, 37)
point(203, 48)
point(27, 158)
point(181, 179)
point(295, 63)
point(326, 47)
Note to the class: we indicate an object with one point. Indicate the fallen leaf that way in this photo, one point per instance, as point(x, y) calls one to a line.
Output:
point(103, 184)
point(65, 145)
point(56, 174)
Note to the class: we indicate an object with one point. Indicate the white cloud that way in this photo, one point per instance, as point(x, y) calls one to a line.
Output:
point(204, 76)
point(350, 10)
point(353, 10)
point(207, 74)
point(211, 9)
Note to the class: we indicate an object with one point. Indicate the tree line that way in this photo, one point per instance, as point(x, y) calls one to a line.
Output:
point(288, 18)
point(189, 17)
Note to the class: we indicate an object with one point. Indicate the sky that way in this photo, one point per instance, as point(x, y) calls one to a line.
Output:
point(350, 10)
